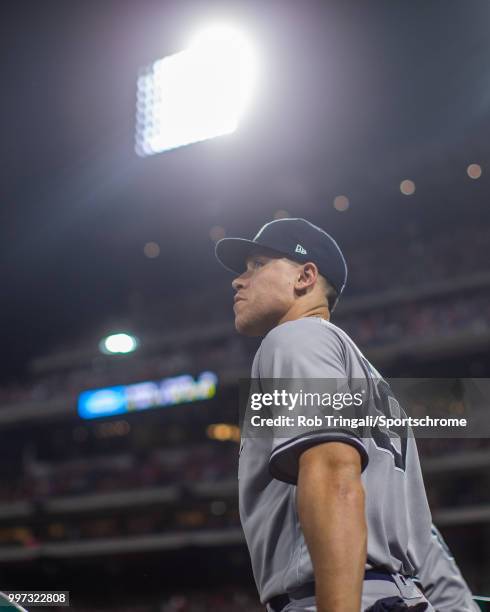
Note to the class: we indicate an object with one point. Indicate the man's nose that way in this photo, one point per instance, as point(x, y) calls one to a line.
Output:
point(238, 283)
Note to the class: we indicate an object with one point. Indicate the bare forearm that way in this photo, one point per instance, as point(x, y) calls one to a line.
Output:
point(331, 513)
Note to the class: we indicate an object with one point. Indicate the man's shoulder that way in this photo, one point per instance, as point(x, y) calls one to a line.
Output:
point(307, 347)
point(307, 331)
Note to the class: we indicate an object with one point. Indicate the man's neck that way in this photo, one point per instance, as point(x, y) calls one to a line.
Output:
point(320, 310)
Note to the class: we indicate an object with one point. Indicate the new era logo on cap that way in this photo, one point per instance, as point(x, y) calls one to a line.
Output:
point(300, 249)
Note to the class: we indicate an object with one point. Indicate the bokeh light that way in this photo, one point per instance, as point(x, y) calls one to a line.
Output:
point(118, 343)
point(217, 232)
point(223, 431)
point(407, 187)
point(281, 214)
point(151, 250)
point(341, 203)
point(474, 171)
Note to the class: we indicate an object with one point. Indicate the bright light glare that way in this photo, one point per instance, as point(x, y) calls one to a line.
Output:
point(118, 343)
point(196, 94)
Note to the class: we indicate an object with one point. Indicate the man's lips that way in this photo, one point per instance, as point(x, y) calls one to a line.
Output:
point(238, 298)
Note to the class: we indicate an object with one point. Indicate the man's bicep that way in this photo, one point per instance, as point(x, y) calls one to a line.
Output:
point(333, 457)
point(286, 455)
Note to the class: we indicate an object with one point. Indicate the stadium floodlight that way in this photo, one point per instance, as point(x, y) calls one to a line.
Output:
point(118, 344)
point(197, 94)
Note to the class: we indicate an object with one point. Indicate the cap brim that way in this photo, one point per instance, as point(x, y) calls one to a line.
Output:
point(232, 253)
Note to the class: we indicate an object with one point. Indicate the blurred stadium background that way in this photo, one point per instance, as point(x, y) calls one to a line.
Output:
point(371, 120)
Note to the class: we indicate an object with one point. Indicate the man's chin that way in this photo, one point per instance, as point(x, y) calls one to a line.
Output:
point(250, 328)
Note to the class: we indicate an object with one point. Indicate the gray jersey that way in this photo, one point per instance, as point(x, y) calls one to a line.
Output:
point(443, 584)
point(397, 512)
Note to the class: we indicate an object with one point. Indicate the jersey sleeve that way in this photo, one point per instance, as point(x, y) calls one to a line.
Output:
point(293, 352)
point(443, 584)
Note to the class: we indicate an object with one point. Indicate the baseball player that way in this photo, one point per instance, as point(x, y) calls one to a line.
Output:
point(334, 522)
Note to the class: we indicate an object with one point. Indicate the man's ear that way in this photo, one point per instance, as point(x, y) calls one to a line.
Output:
point(307, 275)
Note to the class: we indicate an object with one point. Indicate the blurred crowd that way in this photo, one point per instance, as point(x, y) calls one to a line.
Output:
point(226, 599)
point(379, 327)
point(221, 601)
point(417, 259)
point(101, 373)
point(410, 321)
point(178, 467)
point(414, 263)
point(184, 469)
point(123, 525)
point(388, 264)
point(198, 515)
point(183, 466)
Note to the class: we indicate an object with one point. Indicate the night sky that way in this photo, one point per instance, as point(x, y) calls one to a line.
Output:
point(353, 97)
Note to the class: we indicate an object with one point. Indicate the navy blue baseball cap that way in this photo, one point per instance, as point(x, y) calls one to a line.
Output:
point(296, 239)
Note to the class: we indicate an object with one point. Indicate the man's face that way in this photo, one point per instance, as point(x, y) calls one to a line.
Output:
point(264, 293)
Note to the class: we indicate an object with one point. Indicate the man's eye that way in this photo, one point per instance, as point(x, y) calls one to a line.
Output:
point(257, 263)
